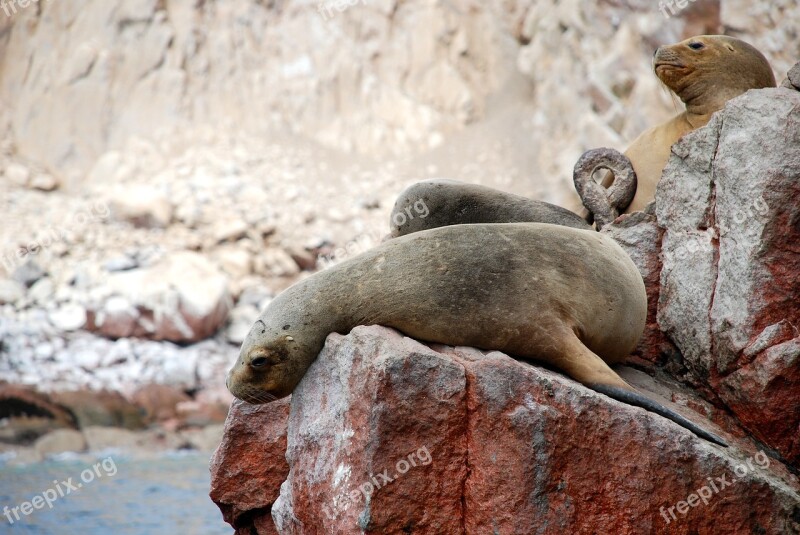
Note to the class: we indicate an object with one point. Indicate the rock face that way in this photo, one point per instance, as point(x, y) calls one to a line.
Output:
point(387, 435)
point(731, 254)
point(250, 464)
point(377, 76)
point(640, 236)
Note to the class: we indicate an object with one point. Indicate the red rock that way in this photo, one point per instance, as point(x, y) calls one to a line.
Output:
point(763, 394)
point(249, 465)
point(639, 235)
point(500, 446)
point(730, 290)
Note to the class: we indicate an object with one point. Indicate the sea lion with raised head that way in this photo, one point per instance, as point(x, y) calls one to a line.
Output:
point(705, 72)
point(570, 298)
point(443, 202)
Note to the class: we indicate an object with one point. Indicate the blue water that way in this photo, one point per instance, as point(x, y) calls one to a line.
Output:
point(143, 497)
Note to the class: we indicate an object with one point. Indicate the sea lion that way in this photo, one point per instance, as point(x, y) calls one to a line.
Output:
point(570, 298)
point(450, 202)
point(705, 72)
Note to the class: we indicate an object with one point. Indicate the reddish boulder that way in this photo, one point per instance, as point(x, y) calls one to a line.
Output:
point(639, 235)
point(249, 465)
point(387, 435)
point(730, 283)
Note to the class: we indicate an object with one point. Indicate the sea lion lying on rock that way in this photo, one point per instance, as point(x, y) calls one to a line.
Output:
point(450, 202)
point(567, 297)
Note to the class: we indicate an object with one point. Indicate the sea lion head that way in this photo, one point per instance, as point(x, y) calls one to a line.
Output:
point(271, 363)
point(706, 71)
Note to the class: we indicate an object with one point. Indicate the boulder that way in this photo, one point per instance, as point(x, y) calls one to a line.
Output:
point(639, 235)
point(142, 206)
point(109, 409)
point(183, 298)
point(249, 465)
point(731, 262)
point(60, 441)
point(159, 402)
point(387, 435)
point(19, 402)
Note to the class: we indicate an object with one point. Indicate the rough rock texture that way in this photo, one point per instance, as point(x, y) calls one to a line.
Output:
point(640, 237)
point(731, 256)
point(387, 435)
point(792, 80)
point(379, 76)
point(249, 465)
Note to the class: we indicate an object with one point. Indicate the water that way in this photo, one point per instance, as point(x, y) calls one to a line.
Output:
point(117, 496)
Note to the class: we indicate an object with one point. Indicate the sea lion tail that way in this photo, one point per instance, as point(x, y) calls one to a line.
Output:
point(631, 397)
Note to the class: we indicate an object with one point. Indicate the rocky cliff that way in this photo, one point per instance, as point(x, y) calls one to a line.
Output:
point(387, 435)
point(164, 143)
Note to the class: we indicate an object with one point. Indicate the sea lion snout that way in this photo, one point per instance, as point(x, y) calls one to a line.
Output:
point(666, 56)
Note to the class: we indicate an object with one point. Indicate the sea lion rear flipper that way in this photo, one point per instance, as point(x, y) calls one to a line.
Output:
point(590, 370)
point(632, 397)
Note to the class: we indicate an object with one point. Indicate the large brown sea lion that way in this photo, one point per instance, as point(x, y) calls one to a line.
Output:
point(567, 297)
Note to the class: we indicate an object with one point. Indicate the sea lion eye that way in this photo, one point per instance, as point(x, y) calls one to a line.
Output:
point(259, 362)
point(696, 46)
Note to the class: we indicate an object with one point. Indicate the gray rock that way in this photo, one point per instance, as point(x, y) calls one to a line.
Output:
point(729, 292)
point(121, 263)
point(793, 78)
point(42, 292)
point(10, 291)
point(28, 273)
point(70, 317)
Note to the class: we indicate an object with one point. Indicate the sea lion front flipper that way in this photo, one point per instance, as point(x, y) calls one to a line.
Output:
point(589, 369)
